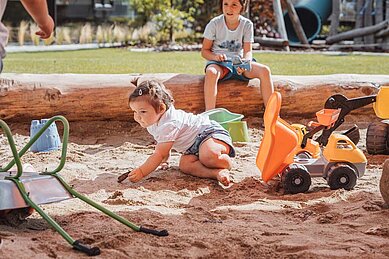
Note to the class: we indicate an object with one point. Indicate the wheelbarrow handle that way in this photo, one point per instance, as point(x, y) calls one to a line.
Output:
point(91, 251)
point(160, 233)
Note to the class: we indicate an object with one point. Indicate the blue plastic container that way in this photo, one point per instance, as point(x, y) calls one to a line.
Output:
point(48, 141)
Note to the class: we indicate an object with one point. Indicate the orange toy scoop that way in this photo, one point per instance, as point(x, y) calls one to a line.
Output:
point(279, 141)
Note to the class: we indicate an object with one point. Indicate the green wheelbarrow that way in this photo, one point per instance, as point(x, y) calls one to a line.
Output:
point(22, 192)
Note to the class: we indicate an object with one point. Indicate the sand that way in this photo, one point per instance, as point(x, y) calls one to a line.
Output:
point(250, 219)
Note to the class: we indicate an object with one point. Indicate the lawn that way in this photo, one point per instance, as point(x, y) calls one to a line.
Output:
point(118, 61)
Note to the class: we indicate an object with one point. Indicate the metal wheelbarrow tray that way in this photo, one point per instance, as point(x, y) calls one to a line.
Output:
point(22, 192)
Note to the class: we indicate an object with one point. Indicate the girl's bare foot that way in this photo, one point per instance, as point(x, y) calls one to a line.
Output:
point(223, 177)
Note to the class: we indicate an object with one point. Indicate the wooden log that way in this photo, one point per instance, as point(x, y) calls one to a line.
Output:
point(298, 28)
point(357, 33)
point(379, 16)
point(280, 22)
point(335, 17)
point(382, 33)
point(83, 97)
point(271, 42)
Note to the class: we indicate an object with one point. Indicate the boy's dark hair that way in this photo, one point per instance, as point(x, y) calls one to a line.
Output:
point(244, 4)
point(155, 92)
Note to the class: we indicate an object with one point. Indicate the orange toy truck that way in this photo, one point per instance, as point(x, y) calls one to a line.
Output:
point(285, 150)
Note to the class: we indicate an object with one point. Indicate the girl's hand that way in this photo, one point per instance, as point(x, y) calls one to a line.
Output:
point(136, 175)
point(221, 57)
point(164, 166)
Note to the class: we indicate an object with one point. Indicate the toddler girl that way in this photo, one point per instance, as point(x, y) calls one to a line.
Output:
point(206, 146)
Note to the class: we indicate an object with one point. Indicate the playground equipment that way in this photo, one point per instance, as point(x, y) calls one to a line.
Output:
point(21, 192)
point(281, 152)
point(312, 15)
point(290, 151)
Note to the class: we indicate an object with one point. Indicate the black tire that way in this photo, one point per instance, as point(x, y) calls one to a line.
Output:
point(353, 134)
point(296, 179)
point(377, 140)
point(341, 176)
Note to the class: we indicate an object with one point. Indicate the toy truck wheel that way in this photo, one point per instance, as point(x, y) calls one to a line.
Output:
point(377, 139)
point(341, 176)
point(296, 179)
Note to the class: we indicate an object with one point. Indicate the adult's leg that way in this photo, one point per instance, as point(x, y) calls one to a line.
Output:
point(212, 74)
point(264, 74)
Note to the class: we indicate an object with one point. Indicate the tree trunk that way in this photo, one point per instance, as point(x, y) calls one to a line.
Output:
point(83, 97)
point(368, 22)
point(280, 22)
point(298, 28)
point(359, 19)
point(335, 17)
point(386, 39)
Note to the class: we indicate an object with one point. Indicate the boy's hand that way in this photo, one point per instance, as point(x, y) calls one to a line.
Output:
point(221, 57)
point(135, 175)
point(46, 29)
point(240, 70)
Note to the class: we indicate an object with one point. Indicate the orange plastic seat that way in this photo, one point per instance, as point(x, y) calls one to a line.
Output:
point(279, 141)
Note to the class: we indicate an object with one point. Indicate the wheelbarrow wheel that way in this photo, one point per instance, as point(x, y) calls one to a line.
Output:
point(15, 217)
point(377, 139)
point(296, 179)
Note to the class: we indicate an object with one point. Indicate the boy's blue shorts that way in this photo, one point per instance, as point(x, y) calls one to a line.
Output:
point(232, 72)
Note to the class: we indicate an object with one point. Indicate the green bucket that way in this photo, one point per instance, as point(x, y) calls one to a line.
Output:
point(238, 131)
point(231, 122)
point(223, 116)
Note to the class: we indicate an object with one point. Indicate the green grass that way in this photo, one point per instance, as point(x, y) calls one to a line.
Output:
point(118, 61)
